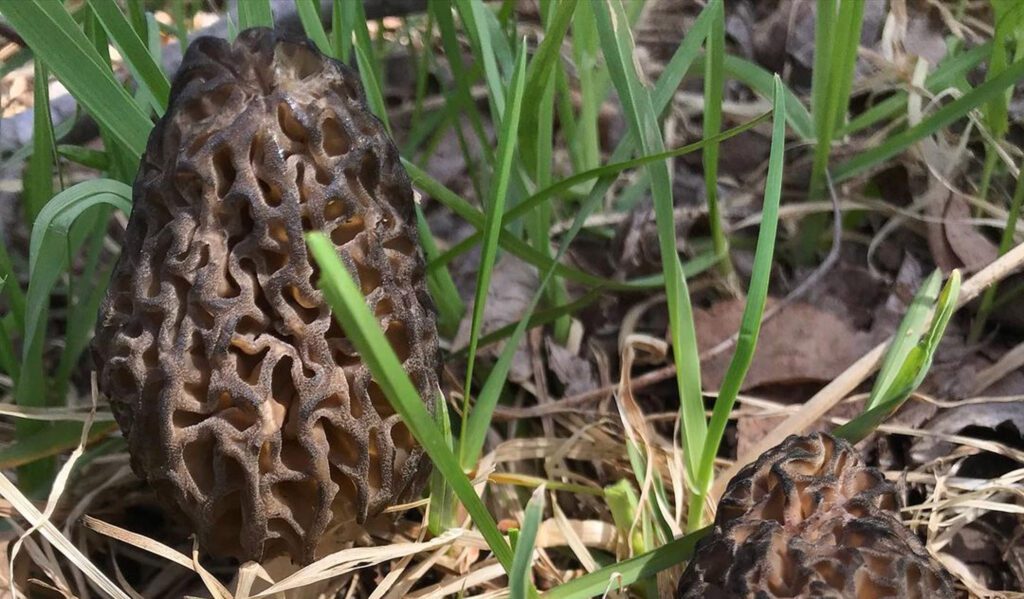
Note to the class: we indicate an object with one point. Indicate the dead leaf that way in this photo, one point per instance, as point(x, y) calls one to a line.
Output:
point(1005, 419)
point(955, 243)
point(512, 287)
point(800, 344)
point(576, 374)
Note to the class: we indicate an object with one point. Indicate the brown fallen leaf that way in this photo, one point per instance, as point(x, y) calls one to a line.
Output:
point(1005, 420)
point(512, 287)
point(576, 374)
point(955, 242)
point(800, 344)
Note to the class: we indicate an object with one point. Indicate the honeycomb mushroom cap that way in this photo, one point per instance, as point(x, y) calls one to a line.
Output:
point(809, 519)
point(243, 403)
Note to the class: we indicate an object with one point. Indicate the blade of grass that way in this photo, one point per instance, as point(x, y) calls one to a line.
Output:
point(540, 76)
point(624, 573)
point(761, 81)
point(139, 61)
point(750, 326)
point(912, 370)
point(537, 152)
point(910, 330)
point(836, 37)
point(254, 13)
point(495, 208)
point(88, 157)
point(1006, 242)
point(38, 185)
point(51, 441)
point(617, 46)
point(441, 285)
point(309, 15)
point(483, 51)
point(374, 97)
point(341, 30)
point(463, 75)
point(54, 36)
point(123, 161)
point(491, 391)
point(714, 87)
point(181, 23)
point(350, 310)
point(519, 585)
point(442, 509)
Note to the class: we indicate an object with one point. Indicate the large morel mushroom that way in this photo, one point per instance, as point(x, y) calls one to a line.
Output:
point(809, 519)
point(244, 405)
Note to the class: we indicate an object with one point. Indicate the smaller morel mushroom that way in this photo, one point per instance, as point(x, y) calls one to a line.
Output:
point(809, 519)
point(244, 405)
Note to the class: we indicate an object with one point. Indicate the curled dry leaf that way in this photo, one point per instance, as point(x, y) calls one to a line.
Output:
point(245, 406)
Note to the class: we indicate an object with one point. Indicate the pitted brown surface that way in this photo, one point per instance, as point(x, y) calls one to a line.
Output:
point(809, 519)
point(243, 403)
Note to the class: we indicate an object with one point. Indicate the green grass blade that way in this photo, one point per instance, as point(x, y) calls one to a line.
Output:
point(38, 186)
point(146, 71)
point(50, 441)
point(462, 95)
point(911, 371)
point(761, 81)
point(371, 84)
point(369, 59)
point(480, 36)
point(824, 37)
point(254, 13)
point(472, 435)
point(443, 507)
point(624, 573)
point(48, 244)
point(50, 248)
point(850, 21)
point(88, 157)
point(540, 73)
point(350, 310)
point(941, 118)
point(309, 15)
point(909, 332)
point(442, 288)
point(617, 46)
point(750, 326)
point(714, 88)
point(54, 36)
point(519, 584)
point(341, 30)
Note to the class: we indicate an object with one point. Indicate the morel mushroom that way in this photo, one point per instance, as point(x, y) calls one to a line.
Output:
point(809, 519)
point(243, 403)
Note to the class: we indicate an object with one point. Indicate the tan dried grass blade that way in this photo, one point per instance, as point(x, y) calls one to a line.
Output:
point(58, 540)
point(344, 561)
